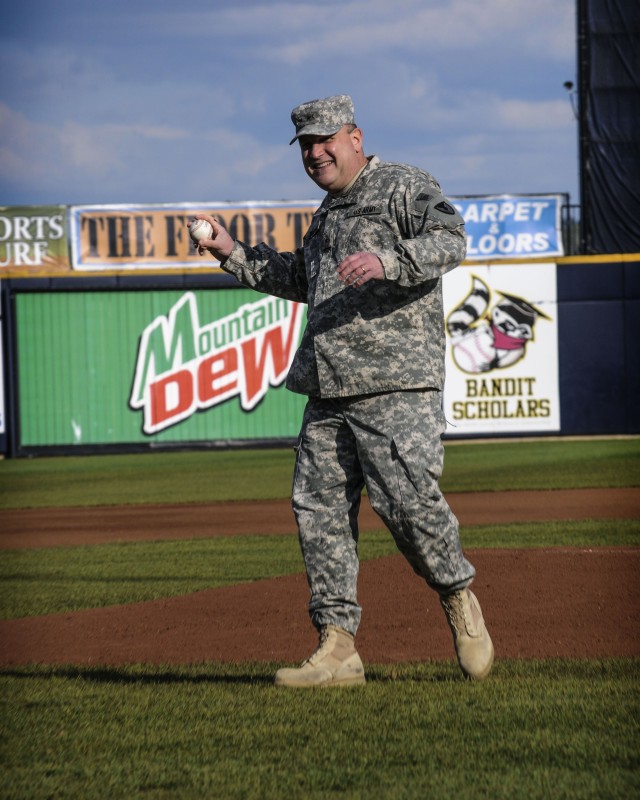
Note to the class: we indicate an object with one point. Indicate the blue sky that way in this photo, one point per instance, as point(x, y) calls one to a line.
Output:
point(162, 102)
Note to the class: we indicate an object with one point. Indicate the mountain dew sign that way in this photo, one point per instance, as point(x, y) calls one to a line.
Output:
point(165, 366)
point(186, 364)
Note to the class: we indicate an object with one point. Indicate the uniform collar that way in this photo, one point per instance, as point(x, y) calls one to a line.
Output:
point(347, 196)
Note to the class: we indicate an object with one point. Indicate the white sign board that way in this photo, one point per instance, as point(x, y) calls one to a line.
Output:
point(502, 349)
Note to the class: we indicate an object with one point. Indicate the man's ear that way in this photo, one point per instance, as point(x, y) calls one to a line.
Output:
point(357, 137)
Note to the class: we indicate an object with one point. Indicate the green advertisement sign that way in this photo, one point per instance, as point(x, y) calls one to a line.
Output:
point(164, 366)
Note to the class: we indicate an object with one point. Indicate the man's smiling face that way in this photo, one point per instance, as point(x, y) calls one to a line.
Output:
point(333, 161)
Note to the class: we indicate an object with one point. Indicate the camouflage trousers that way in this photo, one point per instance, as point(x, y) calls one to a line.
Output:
point(390, 443)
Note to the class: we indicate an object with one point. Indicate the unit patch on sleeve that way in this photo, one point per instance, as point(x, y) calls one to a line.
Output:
point(445, 207)
point(444, 212)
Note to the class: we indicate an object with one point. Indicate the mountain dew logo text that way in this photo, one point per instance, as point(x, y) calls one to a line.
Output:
point(184, 367)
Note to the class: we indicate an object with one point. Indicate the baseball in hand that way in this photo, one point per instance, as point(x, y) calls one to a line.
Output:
point(200, 229)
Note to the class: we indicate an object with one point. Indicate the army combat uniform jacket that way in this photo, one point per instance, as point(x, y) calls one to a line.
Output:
point(385, 335)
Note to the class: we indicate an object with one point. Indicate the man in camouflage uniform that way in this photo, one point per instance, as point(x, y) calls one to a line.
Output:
point(371, 362)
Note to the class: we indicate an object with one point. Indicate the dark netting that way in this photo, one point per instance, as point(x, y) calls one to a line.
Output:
point(609, 53)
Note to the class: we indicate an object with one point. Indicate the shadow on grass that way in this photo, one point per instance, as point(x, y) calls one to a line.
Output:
point(259, 674)
point(140, 675)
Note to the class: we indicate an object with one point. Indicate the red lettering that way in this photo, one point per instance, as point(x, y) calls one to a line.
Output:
point(275, 352)
point(246, 369)
point(170, 398)
point(211, 373)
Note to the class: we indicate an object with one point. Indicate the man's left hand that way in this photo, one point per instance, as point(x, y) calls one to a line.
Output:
point(360, 268)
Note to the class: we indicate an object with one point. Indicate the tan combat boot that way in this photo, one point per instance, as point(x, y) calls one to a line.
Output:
point(473, 644)
point(334, 663)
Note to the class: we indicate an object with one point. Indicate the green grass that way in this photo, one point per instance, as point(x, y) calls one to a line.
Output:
point(49, 580)
point(52, 580)
point(211, 476)
point(144, 478)
point(552, 729)
point(534, 729)
point(504, 466)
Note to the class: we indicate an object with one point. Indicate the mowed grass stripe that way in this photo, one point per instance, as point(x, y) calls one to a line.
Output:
point(50, 580)
point(212, 476)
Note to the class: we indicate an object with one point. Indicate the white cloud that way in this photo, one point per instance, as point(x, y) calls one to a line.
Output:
point(302, 34)
point(28, 149)
point(535, 115)
point(90, 149)
point(241, 153)
point(299, 33)
point(54, 157)
point(113, 107)
point(110, 161)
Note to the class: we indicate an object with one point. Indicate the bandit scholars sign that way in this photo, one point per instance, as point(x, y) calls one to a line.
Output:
point(502, 349)
point(500, 399)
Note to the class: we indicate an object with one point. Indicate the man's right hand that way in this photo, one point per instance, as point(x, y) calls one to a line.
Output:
point(220, 245)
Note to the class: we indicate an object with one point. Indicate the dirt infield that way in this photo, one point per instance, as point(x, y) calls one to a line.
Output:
point(58, 527)
point(539, 603)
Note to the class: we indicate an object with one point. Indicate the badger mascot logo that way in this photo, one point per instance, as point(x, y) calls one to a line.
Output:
point(483, 340)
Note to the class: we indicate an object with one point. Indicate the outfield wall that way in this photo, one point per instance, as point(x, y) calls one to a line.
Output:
point(116, 335)
point(138, 362)
point(599, 338)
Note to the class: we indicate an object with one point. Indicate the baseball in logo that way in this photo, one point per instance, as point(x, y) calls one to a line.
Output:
point(484, 338)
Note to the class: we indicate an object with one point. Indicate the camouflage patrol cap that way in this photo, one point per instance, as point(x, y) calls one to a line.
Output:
point(323, 117)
